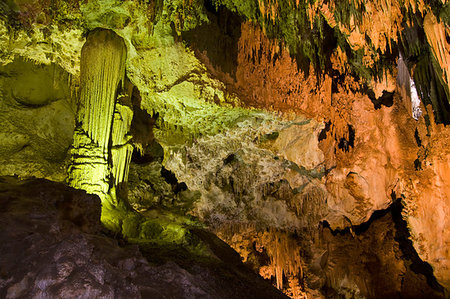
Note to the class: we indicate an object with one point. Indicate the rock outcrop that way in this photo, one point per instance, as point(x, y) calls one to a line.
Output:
point(293, 130)
point(54, 246)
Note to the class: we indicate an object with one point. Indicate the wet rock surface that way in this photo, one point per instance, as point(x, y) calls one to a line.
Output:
point(53, 246)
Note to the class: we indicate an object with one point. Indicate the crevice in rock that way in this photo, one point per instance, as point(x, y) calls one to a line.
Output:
point(386, 99)
point(171, 179)
point(358, 229)
point(230, 159)
point(417, 137)
point(142, 124)
point(323, 133)
point(345, 144)
point(216, 42)
point(402, 236)
point(417, 164)
point(153, 152)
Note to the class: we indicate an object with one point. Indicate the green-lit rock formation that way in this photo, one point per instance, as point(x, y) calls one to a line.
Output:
point(285, 127)
point(37, 119)
point(102, 74)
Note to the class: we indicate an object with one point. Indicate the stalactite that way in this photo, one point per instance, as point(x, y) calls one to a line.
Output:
point(436, 36)
point(121, 125)
point(121, 151)
point(102, 69)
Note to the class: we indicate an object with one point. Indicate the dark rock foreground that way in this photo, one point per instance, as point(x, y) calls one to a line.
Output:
point(52, 245)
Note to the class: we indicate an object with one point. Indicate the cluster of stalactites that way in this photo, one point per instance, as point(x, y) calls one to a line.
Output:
point(102, 69)
point(282, 250)
point(436, 35)
point(284, 255)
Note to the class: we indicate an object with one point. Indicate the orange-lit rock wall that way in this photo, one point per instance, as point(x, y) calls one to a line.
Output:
point(436, 33)
point(383, 163)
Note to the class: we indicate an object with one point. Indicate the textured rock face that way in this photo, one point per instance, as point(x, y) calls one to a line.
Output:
point(369, 152)
point(375, 260)
point(52, 246)
point(427, 197)
point(37, 117)
point(290, 190)
point(382, 249)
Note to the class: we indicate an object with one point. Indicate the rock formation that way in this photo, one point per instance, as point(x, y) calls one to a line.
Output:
point(55, 247)
point(310, 136)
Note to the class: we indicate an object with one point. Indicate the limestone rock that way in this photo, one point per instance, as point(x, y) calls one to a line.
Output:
point(37, 117)
point(53, 245)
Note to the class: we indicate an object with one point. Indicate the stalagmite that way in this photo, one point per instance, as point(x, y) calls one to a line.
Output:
point(89, 168)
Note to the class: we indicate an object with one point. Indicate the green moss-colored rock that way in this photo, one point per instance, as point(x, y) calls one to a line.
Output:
point(37, 119)
point(131, 225)
point(150, 229)
point(109, 14)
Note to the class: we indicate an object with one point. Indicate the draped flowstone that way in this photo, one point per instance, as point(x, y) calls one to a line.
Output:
point(101, 151)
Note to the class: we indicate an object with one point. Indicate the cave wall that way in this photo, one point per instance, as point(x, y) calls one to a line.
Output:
point(371, 149)
point(38, 119)
point(265, 130)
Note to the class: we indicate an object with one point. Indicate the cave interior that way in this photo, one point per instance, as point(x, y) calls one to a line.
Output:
point(224, 149)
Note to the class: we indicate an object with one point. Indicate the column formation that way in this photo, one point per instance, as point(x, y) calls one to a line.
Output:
point(101, 151)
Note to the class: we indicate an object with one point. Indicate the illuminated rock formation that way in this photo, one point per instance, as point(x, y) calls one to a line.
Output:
point(436, 35)
point(103, 125)
point(311, 136)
